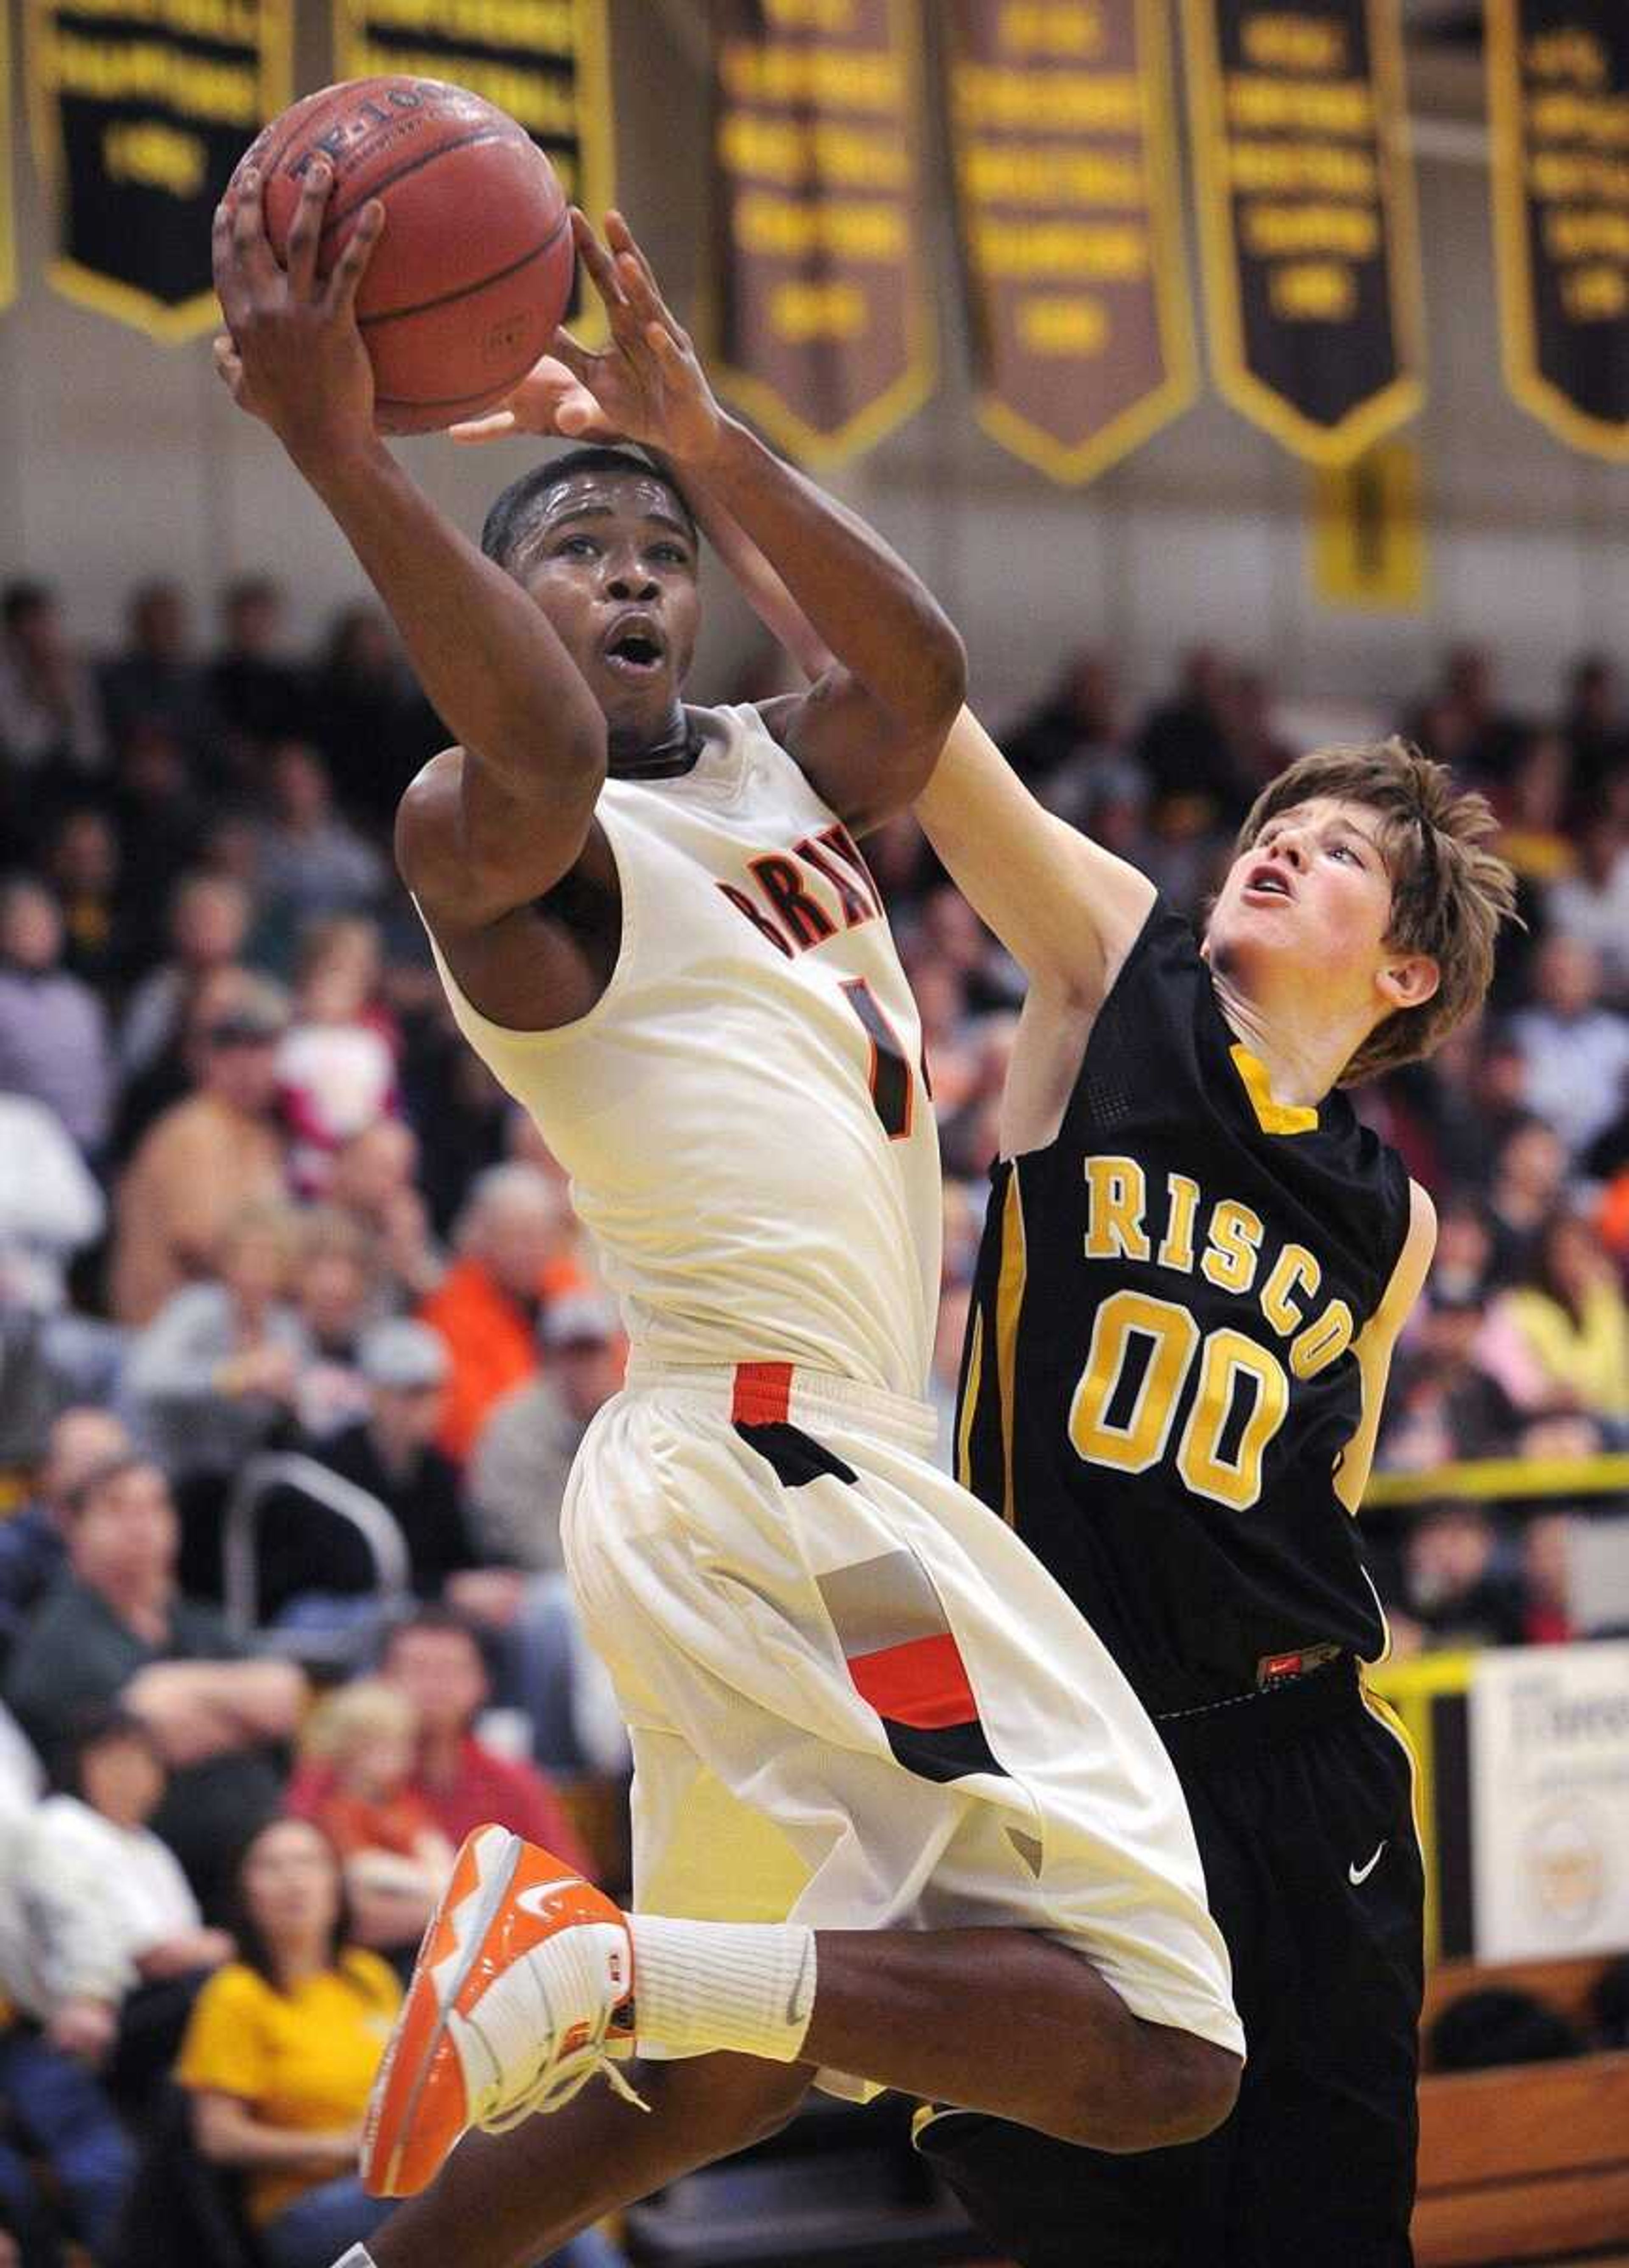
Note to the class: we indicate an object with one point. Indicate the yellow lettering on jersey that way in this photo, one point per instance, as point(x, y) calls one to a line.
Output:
point(1235, 1241)
point(1117, 1194)
point(1236, 1481)
point(1139, 1441)
point(1322, 1341)
point(1176, 1244)
point(1295, 1267)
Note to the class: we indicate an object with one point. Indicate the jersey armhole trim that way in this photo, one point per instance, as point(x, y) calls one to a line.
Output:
point(510, 1035)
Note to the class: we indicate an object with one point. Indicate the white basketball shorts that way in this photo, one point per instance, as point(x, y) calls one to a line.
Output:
point(857, 1701)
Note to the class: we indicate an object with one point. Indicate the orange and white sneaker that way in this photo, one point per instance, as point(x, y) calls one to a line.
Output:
point(515, 2001)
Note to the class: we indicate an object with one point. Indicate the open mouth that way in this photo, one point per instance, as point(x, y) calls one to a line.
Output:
point(635, 649)
point(1267, 882)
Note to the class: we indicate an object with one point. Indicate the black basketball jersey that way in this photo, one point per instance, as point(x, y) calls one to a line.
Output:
point(1159, 1380)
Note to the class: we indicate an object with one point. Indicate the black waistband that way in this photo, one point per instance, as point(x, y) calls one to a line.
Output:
point(1272, 1716)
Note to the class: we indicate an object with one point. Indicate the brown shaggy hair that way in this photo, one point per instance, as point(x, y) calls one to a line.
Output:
point(1449, 893)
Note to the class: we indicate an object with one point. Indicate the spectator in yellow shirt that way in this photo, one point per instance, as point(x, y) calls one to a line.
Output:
point(283, 2046)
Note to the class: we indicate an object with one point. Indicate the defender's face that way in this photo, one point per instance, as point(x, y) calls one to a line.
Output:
point(613, 566)
point(1313, 884)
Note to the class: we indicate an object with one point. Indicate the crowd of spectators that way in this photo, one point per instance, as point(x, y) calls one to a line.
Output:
point(259, 1201)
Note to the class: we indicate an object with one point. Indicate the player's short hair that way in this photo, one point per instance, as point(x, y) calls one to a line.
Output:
point(1449, 892)
point(514, 512)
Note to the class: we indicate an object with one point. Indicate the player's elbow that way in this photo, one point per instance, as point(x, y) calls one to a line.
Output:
point(1182, 2089)
point(941, 673)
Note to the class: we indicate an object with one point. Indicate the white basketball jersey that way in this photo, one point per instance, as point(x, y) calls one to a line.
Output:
point(742, 1113)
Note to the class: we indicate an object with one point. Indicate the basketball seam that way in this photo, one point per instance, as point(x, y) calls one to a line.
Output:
point(443, 298)
point(413, 165)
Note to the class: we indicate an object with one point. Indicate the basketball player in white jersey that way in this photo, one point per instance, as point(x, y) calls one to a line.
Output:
point(898, 1820)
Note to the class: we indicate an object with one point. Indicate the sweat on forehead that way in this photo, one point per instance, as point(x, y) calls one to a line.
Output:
point(583, 481)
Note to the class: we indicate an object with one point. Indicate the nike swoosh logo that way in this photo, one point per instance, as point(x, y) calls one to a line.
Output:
point(1356, 1874)
point(796, 2007)
point(539, 1899)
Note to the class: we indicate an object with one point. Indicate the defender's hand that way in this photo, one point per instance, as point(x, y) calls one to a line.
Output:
point(295, 356)
point(646, 384)
point(548, 400)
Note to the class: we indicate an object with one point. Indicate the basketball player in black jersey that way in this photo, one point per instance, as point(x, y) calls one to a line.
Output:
point(1195, 1266)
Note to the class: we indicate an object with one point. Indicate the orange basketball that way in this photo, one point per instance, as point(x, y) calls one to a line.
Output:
point(473, 272)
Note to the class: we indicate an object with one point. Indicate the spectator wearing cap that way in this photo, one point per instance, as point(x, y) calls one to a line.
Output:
point(204, 1159)
point(524, 1451)
point(53, 1032)
point(116, 1628)
point(515, 1245)
point(315, 1574)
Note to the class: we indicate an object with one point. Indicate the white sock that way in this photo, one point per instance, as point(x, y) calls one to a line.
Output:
point(748, 1987)
point(358, 2256)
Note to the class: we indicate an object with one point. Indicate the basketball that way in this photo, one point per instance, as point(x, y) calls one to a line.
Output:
point(472, 273)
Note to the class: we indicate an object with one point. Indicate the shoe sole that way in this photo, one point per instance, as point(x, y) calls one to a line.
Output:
point(490, 1900)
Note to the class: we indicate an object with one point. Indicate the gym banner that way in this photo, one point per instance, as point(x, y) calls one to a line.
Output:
point(140, 110)
point(817, 319)
point(1062, 134)
point(547, 62)
point(1558, 77)
point(1306, 218)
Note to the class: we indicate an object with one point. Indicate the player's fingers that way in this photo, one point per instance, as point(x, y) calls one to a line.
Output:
point(229, 285)
point(601, 268)
point(638, 276)
point(306, 230)
point(352, 264)
point(250, 245)
point(498, 427)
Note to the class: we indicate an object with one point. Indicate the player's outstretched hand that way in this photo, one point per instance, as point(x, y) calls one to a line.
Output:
point(295, 356)
point(646, 383)
point(548, 400)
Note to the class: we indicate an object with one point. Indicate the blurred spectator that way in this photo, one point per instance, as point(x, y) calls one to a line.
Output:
point(514, 1242)
point(33, 1541)
point(1462, 724)
point(119, 1943)
point(114, 1629)
point(1186, 746)
point(217, 1370)
point(1577, 1051)
point(1259, 754)
point(1075, 730)
point(1442, 1406)
point(337, 1295)
point(51, 1205)
point(53, 1028)
point(373, 1183)
point(369, 718)
point(315, 1574)
point(1565, 1344)
point(1546, 1599)
point(312, 862)
point(336, 1067)
point(154, 678)
point(1529, 1178)
point(1471, 1097)
point(49, 714)
point(947, 929)
point(209, 920)
point(1594, 725)
point(284, 2042)
point(56, 2111)
point(1462, 1266)
point(83, 867)
point(1454, 1592)
point(436, 1659)
point(259, 696)
point(523, 1453)
point(156, 809)
point(1591, 904)
point(365, 1736)
point(1534, 806)
point(201, 1161)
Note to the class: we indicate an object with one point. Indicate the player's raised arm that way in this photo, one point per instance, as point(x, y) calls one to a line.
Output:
point(494, 828)
point(867, 732)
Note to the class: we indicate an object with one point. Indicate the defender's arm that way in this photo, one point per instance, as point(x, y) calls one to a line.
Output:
point(1377, 1340)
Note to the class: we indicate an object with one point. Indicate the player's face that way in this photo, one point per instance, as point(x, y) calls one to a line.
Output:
point(1313, 885)
point(613, 566)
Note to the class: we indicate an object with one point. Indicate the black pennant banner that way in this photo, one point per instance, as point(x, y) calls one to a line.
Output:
point(1559, 107)
point(1307, 217)
point(140, 110)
